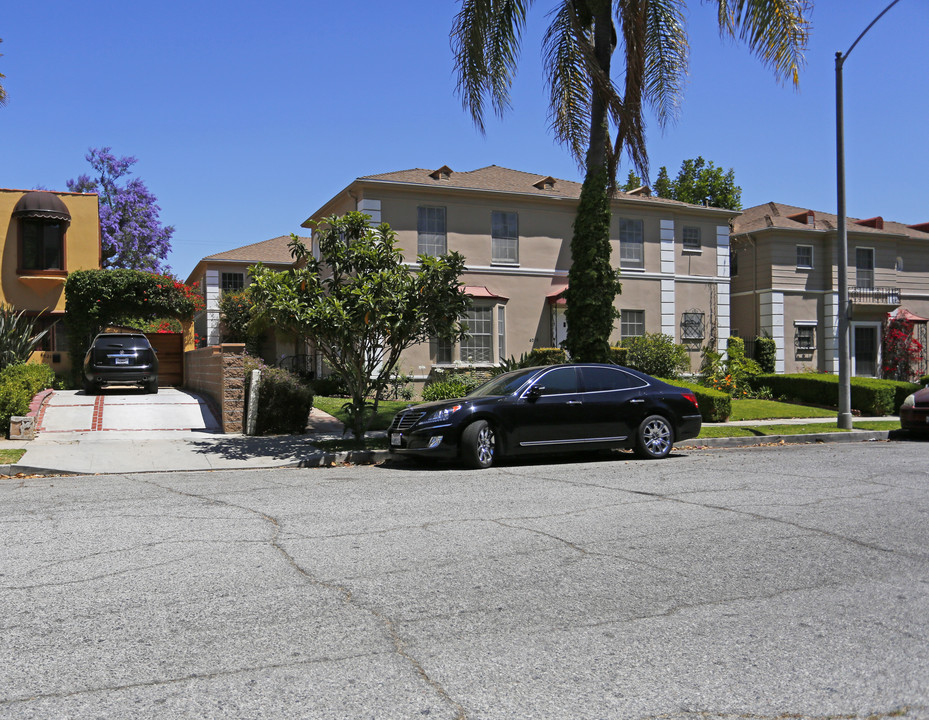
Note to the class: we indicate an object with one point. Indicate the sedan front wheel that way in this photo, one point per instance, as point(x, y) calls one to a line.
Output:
point(654, 438)
point(478, 445)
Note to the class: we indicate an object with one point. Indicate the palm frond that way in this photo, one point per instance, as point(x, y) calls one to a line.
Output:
point(568, 75)
point(666, 58)
point(628, 114)
point(776, 31)
point(485, 41)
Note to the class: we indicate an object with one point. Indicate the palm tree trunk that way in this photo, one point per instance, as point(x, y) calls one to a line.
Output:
point(604, 42)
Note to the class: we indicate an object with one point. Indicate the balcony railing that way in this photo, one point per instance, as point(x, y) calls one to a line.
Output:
point(874, 296)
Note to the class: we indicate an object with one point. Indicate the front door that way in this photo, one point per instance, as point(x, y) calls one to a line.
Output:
point(559, 326)
point(865, 348)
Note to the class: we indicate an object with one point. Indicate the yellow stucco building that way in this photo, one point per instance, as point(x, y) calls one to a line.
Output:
point(46, 235)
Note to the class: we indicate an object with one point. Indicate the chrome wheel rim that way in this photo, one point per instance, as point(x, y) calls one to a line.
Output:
point(657, 437)
point(485, 445)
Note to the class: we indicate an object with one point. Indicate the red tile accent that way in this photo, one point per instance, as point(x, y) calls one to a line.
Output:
point(97, 423)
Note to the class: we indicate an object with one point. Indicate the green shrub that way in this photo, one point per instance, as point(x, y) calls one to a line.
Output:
point(284, 400)
point(18, 336)
point(731, 375)
point(869, 396)
point(332, 386)
point(449, 388)
point(765, 353)
point(715, 406)
point(619, 355)
point(924, 380)
point(546, 356)
point(18, 385)
point(656, 354)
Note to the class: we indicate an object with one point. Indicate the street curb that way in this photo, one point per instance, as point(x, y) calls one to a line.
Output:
point(760, 440)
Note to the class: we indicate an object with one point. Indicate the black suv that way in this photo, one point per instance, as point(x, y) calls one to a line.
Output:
point(120, 358)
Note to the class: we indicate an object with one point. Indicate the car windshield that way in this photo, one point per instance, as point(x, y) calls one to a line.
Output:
point(506, 384)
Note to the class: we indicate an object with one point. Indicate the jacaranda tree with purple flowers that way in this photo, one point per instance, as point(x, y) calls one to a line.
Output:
point(131, 233)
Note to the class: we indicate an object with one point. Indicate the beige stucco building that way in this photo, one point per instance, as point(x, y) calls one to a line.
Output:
point(46, 235)
point(785, 283)
point(514, 230)
point(228, 270)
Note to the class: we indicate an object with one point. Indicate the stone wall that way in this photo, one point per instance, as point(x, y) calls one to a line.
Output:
point(218, 372)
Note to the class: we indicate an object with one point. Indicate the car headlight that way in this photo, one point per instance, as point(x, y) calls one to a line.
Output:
point(442, 415)
point(909, 402)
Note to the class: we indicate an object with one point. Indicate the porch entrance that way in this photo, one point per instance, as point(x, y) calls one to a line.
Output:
point(865, 349)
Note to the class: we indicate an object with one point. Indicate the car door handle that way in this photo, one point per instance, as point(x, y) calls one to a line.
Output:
point(637, 400)
point(574, 402)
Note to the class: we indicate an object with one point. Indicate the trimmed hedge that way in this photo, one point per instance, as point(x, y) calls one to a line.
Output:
point(619, 355)
point(869, 396)
point(715, 406)
point(546, 356)
point(765, 353)
point(18, 385)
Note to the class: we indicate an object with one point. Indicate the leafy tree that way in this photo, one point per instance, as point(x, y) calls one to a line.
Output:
point(699, 181)
point(633, 182)
point(656, 354)
point(131, 232)
point(662, 185)
point(362, 304)
point(596, 119)
point(236, 324)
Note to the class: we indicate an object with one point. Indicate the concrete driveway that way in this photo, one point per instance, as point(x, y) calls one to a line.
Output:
point(127, 430)
point(125, 408)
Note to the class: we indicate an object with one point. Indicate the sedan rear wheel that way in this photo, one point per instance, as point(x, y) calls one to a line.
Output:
point(654, 438)
point(478, 445)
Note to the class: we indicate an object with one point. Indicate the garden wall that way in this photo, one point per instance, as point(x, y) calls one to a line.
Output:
point(218, 372)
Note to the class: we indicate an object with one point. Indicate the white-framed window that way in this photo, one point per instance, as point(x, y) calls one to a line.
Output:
point(501, 332)
point(477, 346)
point(631, 243)
point(504, 244)
point(864, 267)
point(692, 325)
point(691, 238)
point(430, 228)
point(231, 281)
point(805, 335)
point(631, 323)
point(441, 351)
point(804, 257)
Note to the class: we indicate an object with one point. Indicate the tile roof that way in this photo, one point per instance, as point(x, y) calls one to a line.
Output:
point(499, 179)
point(274, 250)
point(791, 217)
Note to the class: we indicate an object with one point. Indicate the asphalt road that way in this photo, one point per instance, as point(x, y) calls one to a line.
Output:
point(757, 583)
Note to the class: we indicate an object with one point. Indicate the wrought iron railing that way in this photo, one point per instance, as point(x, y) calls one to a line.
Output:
point(875, 295)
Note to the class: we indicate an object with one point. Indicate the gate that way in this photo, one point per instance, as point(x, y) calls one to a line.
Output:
point(170, 349)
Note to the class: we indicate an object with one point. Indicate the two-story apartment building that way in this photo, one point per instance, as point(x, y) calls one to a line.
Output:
point(785, 283)
point(514, 230)
point(228, 270)
point(45, 236)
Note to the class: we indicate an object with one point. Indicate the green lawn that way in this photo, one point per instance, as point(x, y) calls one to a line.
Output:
point(386, 410)
point(771, 410)
point(733, 430)
point(7, 457)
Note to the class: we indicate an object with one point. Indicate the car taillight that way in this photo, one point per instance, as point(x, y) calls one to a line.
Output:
point(693, 398)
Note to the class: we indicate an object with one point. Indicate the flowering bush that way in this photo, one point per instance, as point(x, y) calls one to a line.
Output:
point(902, 351)
point(731, 375)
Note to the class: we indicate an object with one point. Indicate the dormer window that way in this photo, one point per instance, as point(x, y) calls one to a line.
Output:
point(807, 217)
point(547, 183)
point(443, 173)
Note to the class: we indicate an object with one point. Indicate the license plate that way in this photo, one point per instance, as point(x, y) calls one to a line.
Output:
point(395, 439)
point(122, 361)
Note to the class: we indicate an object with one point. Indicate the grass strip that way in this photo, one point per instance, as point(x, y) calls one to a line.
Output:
point(8, 457)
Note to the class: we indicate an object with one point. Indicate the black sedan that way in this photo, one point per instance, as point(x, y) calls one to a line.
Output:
point(555, 408)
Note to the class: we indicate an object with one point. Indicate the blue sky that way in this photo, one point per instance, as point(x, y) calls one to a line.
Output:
point(246, 117)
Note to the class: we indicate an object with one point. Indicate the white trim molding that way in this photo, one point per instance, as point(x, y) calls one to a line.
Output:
point(371, 208)
point(772, 323)
point(831, 332)
point(667, 249)
point(667, 308)
point(722, 251)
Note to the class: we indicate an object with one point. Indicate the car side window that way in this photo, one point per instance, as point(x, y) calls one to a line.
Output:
point(600, 379)
point(559, 381)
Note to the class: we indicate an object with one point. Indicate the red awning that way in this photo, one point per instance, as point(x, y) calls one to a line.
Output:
point(901, 313)
point(480, 291)
point(556, 296)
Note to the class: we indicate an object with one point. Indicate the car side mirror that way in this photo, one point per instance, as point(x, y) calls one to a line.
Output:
point(535, 392)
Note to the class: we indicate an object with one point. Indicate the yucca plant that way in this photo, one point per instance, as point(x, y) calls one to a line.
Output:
point(18, 337)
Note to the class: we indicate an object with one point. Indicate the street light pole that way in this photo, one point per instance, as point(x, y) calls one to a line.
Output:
point(844, 309)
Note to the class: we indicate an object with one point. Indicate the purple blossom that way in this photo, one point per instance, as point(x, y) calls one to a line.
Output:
point(131, 233)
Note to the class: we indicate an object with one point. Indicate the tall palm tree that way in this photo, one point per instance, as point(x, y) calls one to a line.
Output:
point(596, 118)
